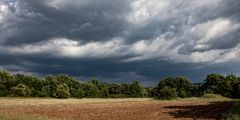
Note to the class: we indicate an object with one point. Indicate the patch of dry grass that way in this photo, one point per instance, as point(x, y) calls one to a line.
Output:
point(50, 101)
point(17, 116)
point(215, 96)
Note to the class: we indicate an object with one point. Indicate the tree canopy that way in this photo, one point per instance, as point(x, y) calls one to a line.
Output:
point(64, 86)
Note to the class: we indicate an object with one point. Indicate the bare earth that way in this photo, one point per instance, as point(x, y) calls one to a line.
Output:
point(117, 109)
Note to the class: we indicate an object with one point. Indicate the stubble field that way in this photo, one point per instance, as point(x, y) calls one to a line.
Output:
point(112, 109)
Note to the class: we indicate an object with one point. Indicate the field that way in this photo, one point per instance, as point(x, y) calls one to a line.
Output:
point(112, 109)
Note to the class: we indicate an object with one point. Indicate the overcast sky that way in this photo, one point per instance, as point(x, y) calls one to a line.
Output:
point(121, 40)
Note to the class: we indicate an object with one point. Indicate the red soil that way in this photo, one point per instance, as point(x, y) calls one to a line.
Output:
point(139, 110)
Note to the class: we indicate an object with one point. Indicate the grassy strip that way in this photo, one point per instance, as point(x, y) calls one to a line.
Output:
point(11, 116)
point(216, 96)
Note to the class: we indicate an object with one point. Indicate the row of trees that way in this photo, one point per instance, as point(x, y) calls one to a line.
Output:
point(64, 86)
point(228, 86)
point(168, 88)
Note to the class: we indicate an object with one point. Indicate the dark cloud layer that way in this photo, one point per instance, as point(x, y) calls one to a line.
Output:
point(39, 20)
point(120, 41)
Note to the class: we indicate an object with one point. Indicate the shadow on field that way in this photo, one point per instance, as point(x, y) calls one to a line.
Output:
point(214, 110)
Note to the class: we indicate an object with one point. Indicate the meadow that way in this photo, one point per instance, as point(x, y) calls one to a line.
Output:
point(204, 108)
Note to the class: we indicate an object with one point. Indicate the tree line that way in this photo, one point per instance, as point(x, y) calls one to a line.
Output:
point(64, 86)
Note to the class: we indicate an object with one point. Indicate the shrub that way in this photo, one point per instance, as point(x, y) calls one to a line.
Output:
point(90, 90)
point(45, 92)
point(137, 90)
point(212, 96)
point(80, 94)
point(182, 94)
point(62, 91)
point(236, 91)
point(20, 91)
point(182, 85)
point(167, 93)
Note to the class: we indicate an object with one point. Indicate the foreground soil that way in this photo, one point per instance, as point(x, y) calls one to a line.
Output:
point(118, 109)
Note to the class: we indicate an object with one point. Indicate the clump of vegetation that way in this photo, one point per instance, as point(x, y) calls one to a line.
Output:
point(64, 86)
point(167, 93)
point(20, 91)
point(212, 96)
point(62, 91)
point(227, 86)
point(170, 88)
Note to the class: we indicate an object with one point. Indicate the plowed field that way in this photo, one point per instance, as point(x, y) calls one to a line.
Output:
point(117, 109)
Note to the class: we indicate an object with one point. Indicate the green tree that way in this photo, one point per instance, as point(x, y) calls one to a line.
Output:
point(137, 90)
point(45, 92)
point(20, 91)
point(80, 94)
point(115, 89)
point(170, 82)
point(236, 88)
point(103, 88)
point(90, 90)
point(62, 91)
point(211, 83)
point(126, 90)
point(167, 93)
point(184, 87)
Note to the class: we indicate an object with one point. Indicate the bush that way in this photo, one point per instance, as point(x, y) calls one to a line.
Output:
point(212, 96)
point(236, 91)
point(3, 91)
point(137, 90)
point(182, 94)
point(90, 90)
point(20, 91)
point(80, 94)
point(167, 93)
point(62, 91)
point(45, 92)
point(183, 86)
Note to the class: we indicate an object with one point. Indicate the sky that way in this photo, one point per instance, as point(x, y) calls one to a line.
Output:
point(120, 40)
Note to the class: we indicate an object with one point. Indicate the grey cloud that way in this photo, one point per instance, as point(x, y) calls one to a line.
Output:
point(120, 40)
point(45, 22)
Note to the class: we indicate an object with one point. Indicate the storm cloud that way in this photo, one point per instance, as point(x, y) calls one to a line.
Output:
point(120, 41)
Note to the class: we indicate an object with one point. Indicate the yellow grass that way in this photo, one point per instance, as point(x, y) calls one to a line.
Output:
point(11, 116)
point(50, 101)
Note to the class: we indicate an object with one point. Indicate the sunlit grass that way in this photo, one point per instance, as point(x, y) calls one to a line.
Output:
point(14, 116)
point(35, 101)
